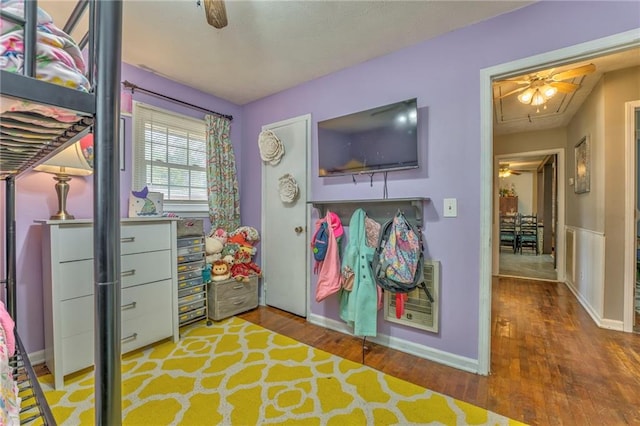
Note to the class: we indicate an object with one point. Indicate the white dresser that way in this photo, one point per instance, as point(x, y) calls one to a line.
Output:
point(149, 289)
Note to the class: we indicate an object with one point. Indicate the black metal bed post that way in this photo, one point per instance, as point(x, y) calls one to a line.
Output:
point(106, 205)
point(10, 223)
point(31, 18)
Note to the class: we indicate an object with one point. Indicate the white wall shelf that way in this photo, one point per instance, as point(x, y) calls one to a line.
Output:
point(379, 210)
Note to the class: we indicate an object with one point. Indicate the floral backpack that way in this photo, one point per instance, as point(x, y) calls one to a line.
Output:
point(398, 260)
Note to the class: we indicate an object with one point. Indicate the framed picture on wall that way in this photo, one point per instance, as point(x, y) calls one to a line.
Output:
point(121, 140)
point(583, 166)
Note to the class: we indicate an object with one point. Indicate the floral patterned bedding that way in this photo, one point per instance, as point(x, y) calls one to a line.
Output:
point(9, 399)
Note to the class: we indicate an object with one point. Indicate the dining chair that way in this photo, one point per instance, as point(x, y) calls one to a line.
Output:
point(528, 233)
point(508, 232)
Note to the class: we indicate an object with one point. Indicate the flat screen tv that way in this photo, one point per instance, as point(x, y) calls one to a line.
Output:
point(376, 140)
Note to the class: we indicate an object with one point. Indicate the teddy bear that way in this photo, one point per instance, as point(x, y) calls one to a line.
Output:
point(220, 271)
point(214, 244)
point(213, 248)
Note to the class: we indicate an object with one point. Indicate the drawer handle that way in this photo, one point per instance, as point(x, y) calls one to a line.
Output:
point(128, 273)
point(131, 305)
point(134, 336)
point(239, 302)
point(238, 287)
point(127, 239)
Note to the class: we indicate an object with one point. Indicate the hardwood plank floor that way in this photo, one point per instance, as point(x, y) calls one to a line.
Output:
point(550, 364)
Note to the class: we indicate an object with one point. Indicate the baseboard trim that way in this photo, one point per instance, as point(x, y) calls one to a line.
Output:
point(609, 324)
point(37, 357)
point(435, 355)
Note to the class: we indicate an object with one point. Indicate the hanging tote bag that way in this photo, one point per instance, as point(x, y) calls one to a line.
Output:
point(329, 275)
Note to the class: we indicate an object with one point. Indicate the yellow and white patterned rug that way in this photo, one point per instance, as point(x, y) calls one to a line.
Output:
point(237, 373)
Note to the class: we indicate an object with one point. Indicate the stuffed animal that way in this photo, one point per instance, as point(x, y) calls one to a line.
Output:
point(243, 267)
point(213, 248)
point(220, 271)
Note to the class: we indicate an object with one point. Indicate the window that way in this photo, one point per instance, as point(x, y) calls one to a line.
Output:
point(170, 156)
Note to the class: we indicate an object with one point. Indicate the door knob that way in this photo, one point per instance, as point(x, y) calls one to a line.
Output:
point(298, 229)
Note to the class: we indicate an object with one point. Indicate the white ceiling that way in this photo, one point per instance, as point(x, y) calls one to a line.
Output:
point(270, 46)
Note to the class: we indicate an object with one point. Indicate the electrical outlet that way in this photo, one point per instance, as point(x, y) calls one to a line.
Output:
point(450, 207)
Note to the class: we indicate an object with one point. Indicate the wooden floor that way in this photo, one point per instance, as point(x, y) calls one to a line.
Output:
point(551, 365)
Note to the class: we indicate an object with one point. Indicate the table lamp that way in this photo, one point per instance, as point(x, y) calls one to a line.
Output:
point(75, 160)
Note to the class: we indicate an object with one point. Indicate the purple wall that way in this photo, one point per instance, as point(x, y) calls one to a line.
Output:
point(36, 198)
point(443, 73)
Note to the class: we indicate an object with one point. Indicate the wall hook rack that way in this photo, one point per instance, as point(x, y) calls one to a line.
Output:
point(379, 210)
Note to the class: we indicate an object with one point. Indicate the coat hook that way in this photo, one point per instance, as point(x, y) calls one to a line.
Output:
point(353, 177)
point(371, 179)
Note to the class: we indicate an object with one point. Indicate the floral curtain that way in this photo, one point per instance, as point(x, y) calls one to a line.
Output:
point(222, 179)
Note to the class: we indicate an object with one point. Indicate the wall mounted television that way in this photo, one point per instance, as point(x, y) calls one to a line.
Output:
point(376, 140)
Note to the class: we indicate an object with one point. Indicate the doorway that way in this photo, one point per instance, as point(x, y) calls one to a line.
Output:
point(489, 230)
point(526, 191)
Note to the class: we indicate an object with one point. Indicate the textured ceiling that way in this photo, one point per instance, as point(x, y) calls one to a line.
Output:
point(270, 46)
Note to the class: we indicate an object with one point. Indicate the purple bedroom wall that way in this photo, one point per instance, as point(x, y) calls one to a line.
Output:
point(36, 198)
point(443, 73)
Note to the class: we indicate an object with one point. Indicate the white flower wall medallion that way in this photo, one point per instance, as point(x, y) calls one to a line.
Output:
point(271, 148)
point(288, 188)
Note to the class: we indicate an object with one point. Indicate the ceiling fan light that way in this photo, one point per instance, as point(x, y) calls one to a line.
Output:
point(538, 98)
point(525, 97)
point(549, 91)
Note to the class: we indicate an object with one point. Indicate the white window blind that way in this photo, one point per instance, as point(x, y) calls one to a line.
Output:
point(170, 156)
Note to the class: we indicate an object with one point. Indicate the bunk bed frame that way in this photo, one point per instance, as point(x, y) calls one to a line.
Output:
point(100, 109)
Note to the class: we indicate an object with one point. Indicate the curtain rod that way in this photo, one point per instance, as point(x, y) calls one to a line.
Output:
point(133, 88)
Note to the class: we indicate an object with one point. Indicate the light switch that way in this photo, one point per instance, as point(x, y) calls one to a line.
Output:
point(450, 207)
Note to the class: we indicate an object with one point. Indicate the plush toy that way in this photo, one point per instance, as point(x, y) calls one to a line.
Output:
point(220, 271)
point(213, 248)
point(243, 267)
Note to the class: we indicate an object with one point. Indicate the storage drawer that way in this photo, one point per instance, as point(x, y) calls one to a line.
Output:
point(77, 243)
point(134, 238)
point(77, 352)
point(191, 247)
point(76, 316)
point(191, 290)
point(183, 285)
point(232, 288)
point(146, 299)
point(193, 305)
point(147, 329)
point(191, 267)
point(235, 305)
point(145, 267)
point(139, 237)
point(190, 228)
point(193, 257)
point(189, 275)
point(76, 279)
point(191, 315)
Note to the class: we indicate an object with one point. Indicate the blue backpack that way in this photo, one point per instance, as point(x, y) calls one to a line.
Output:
point(320, 241)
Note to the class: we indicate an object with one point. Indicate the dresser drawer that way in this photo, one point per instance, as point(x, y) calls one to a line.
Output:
point(134, 238)
point(147, 329)
point(76, 279)
point(231, 288)
point(146, 299)
point(77, 352)
point(139, 237)
point(76, 316)
point(145, 267)
point(77, 243)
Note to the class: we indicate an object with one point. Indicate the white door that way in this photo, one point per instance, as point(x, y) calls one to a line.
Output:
point(284, 227)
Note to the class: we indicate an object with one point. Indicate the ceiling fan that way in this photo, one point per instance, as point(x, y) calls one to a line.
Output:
point(216, 13)
point(538, 87)
point(505, 171)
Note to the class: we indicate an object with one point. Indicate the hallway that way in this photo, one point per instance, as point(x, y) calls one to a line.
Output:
point(526, 265)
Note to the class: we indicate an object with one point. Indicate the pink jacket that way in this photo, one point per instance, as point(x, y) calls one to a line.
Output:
point(329, 269)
